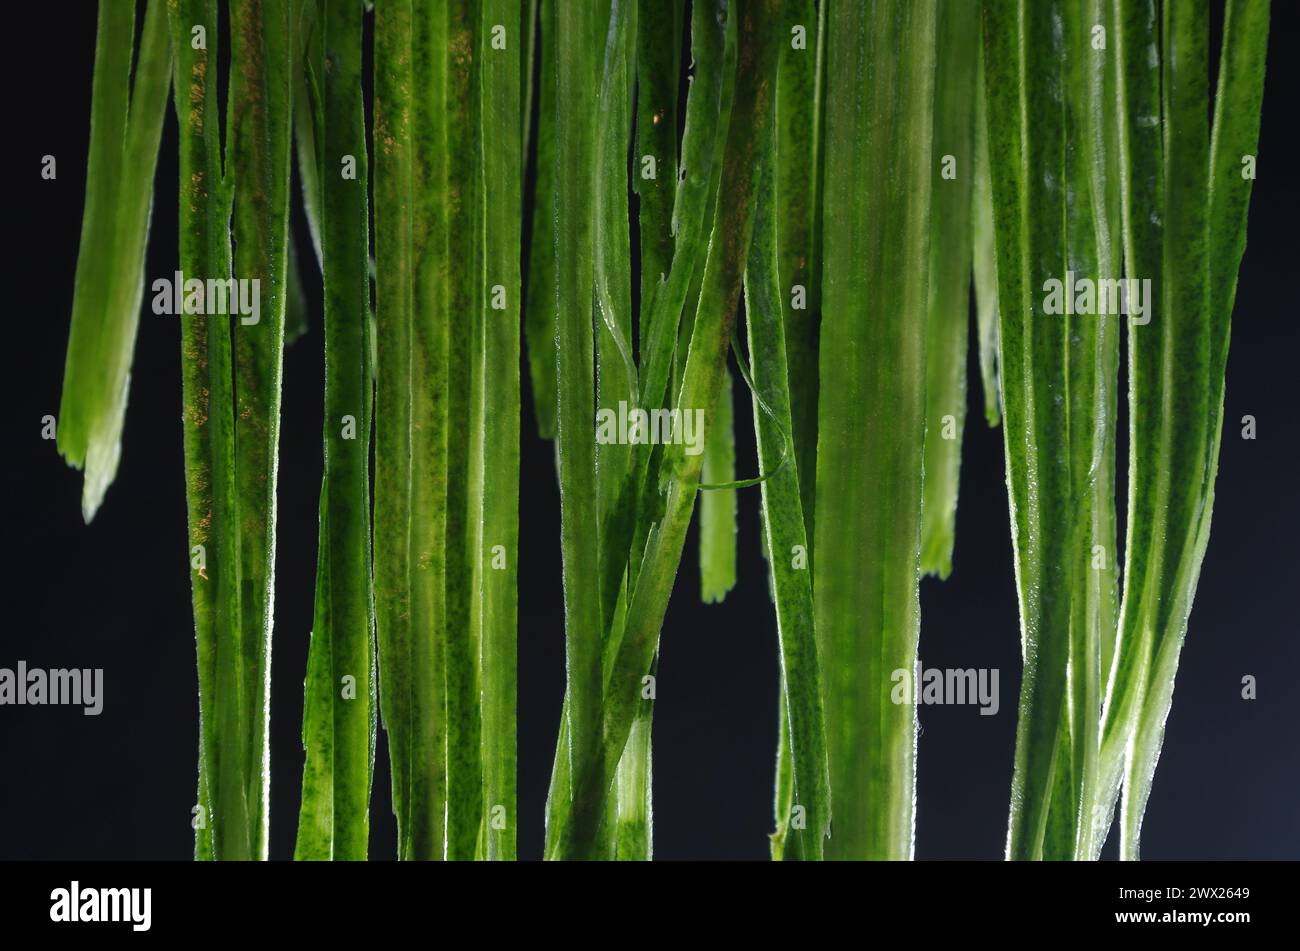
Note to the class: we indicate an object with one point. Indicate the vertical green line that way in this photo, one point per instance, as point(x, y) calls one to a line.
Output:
point(718, 507)
point(462, 273)
point(207, 391)
point(950, 277)
point(1101, 129)
point(658, 64)
point(616, 383)
point(579, 35)
point(539, 307)
point(805, 783)
point(1135, 36)
point(308, 69)
point(315, 841)
point(430, 406)
point(717, 518)
point(1087, 434)
point(615, 372)
point(1093, 361)
point(500, 152)
point(725, 16)
point(1179, 386)
point(782, 846)
point(528, 56)
point(800, 116)
point(1023, 56)
point(985, 268)
point(260, 122)
point(871, 425)
point(798, 183)
point(394, 289)
point(344, 231)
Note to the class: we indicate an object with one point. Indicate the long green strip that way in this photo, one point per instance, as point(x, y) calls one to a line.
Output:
point(539, 307)
point(125, 126)
point(499, 390)
point(1135, 35)
point(576, 835)
point(579, 37)
point(694, 285)
point(1093, 355)
point(782, 846)
point(1092, 358)
point(615, 370)
point(871, 424)
point(950, 278)
point(654, 166)
point(260, 120)
point(718, 507)
point(797, 181)
point(344, 230)
point(1076, 736)
point(1023, 56)
point(713, 51)
point(800, 117)
point(306, 111)
point(985, 268)
point(207, 393)
point(616, 377)
point(464, 320)
point(1170, 362)
point(655, 181)
point(1101, 134)
point(394, 287)
point(528, 56)
point(315, 840)
point(615, 373)
point(1235, 136)
point(430, 340)
point(783, 525)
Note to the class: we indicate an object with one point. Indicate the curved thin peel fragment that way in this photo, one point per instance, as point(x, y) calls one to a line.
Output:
point(125, 128)
point(806, 784)
point(948, 317)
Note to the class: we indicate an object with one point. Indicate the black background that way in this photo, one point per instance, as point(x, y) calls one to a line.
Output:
point(115, 594)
